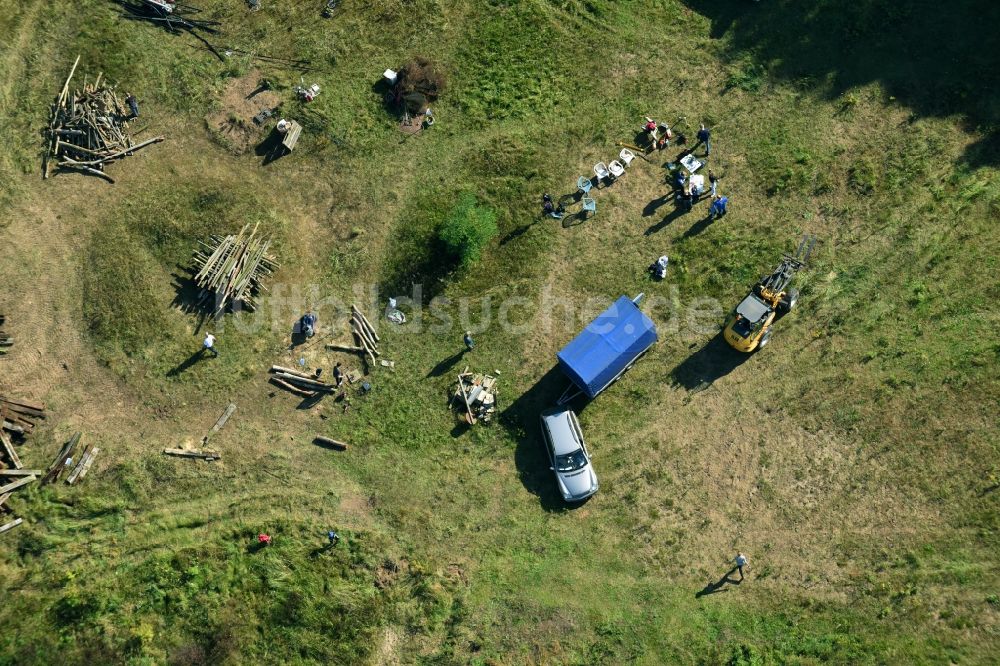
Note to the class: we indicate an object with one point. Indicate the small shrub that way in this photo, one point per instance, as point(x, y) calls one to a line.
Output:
point(863, 176)
point(467, 230)
point(749, 77)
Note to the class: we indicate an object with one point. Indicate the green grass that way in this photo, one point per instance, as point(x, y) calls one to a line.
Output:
point(853, 459)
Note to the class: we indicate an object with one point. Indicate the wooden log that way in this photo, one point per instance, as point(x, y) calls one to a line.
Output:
point(20, 472)
point(221, 422)
point(292, 371)
point(336, 346)
point(294, 389)
point(369, 341)
point(84, 466)
point(11, 525)
point(193, 453)
point(371, 329)
point(332, 443)
point(14, 485)
point(303, 381)
point(4, 498)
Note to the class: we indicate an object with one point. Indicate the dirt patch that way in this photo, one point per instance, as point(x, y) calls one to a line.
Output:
point(233, 120)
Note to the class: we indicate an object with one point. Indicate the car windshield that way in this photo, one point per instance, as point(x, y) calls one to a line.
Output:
point(571, 462)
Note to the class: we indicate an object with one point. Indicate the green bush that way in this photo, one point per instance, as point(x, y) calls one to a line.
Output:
point(467, 229)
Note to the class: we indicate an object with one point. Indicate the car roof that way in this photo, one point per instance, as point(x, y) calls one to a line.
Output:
point(561, 431)
point(752, 308)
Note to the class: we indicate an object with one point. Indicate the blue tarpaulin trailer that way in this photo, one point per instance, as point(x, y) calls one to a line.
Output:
point(607, 347)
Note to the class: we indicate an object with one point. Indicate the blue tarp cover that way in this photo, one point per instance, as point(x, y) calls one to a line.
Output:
point(607, 346)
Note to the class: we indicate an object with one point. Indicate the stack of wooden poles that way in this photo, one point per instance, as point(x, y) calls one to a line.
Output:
point(299, 383)
point(233, 268)
point(88, 129)
point(367, 340)
point(16, 420)
point(5, 339)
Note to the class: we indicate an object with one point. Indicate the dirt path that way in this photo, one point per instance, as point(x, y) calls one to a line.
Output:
point(13, 61)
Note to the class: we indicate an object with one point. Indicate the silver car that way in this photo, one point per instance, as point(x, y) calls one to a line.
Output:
point(568, 455)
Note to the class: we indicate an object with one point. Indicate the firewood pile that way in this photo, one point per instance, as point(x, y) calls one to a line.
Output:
point(89, 128)
point(233, 268)
point(476, 395)
point(5, 340)
point(365, 337)
point(17, 419)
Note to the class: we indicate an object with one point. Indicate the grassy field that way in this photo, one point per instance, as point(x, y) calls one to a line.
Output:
point(854, 460)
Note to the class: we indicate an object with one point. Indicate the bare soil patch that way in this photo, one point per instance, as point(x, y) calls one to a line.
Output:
point(242, 99)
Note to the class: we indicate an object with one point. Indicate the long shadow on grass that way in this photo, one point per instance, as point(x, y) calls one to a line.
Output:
point(190, 298)
point(666, 221)
point(718, 586)
point(713, 361)
point(187, 363)
point(937, 59)
point(530, 458)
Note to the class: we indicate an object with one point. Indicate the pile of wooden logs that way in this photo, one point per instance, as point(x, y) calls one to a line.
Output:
point(16, 419)
point(367, 340)
point(5, 339)
point(477, 393)
point(88, 129)
point(299, 383)
point(233, 268)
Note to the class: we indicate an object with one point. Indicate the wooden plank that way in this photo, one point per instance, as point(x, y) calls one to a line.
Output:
point(11, 487)
point(193, 453)
point(11, 525)
point(20, 472)
point(292, 136)
point(326, 441)
point(221, 422)
point(37, 406)
point(5, 442)
point(57, 465)
point(4, 498)
point(84, 466)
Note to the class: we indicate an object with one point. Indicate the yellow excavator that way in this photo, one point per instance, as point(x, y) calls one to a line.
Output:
point(748, 327)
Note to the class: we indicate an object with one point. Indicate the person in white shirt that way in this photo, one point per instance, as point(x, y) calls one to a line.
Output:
point(209, 345)
point(741, 561)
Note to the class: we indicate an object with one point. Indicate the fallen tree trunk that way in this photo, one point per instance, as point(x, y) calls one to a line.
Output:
point(332, 443)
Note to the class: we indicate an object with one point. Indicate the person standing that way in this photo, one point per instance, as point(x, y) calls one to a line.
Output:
point(338, 375)
point(133, 105)
point(469, 343)
point(741, 561)
point(704, 137)
point(333, 537)
point(208, 345)
point(713, 181)
point(718, 208)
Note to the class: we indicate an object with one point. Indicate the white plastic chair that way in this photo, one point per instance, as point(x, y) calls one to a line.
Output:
point(626, 156)
point(617, 170)
point(601, 171)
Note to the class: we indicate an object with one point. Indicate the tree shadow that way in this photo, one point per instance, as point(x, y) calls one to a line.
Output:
point(445, 365)
point(718, 586)
point(938, 60)
point(186, 364)
point(713, 361)
point(521, 419)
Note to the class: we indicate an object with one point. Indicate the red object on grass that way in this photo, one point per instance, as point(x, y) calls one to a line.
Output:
point(264, 539)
